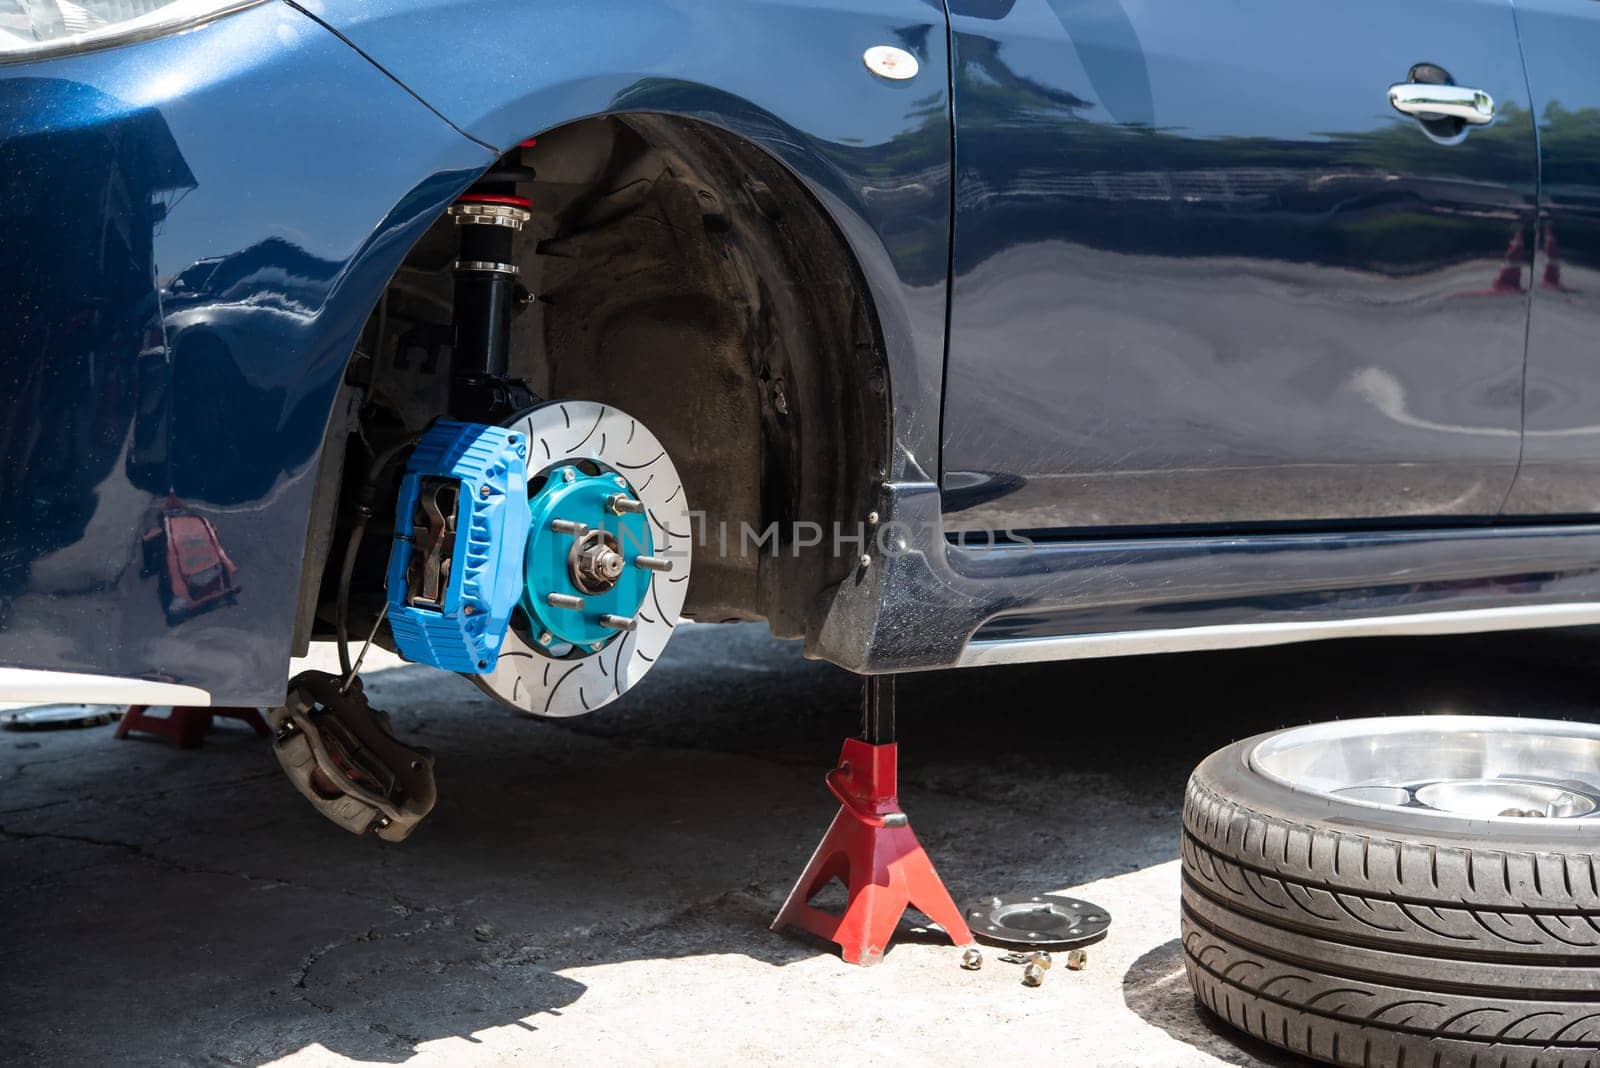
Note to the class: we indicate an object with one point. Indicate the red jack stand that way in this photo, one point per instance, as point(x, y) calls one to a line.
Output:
point(870, 847)
point(185, 727)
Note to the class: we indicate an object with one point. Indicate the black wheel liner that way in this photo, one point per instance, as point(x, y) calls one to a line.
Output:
point(1368, 936)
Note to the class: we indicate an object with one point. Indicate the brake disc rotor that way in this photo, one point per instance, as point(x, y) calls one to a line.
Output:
point(1042, 921)
point(559, 672)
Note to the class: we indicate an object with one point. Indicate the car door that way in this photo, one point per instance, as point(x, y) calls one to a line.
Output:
point(1560, 472)
point(1205, 275)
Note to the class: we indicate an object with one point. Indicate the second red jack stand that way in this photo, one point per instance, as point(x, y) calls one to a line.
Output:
point(870, 848)
point(185, 727)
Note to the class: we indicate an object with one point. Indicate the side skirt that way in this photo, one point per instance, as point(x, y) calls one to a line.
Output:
point(1246, 635)
point(925, 603)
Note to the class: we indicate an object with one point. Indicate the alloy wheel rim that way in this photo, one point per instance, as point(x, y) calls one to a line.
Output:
point(1497, 769)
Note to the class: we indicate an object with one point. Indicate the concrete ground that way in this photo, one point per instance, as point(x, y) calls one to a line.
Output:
point(598, 890)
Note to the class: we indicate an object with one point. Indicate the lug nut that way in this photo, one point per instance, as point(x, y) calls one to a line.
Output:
point(1077, 959)
point(622, 504)
point(972, 958)
point(564, 600)
point(618, 622)
point(1032, 975)
point(569, 526)
point(1042, 959)
point(653, 563)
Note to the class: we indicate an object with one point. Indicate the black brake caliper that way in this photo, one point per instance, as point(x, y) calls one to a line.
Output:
point(338, 752)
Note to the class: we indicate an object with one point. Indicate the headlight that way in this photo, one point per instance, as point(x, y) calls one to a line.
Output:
point(32, 29)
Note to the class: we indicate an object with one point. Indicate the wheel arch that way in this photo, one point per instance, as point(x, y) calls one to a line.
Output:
point(787, 77)
point(816, 379)
point(792, 360)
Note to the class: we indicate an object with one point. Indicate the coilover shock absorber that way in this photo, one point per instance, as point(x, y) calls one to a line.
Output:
point(488, 292)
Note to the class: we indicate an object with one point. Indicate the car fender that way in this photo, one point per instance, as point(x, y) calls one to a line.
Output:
point(196, 229)
point(787, 75)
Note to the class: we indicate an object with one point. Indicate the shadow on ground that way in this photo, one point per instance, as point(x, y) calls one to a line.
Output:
point(159, 906)
point(1157, 991)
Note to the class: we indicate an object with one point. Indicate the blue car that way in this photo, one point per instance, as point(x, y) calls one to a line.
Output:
point(509, 333)
point(1018, 331)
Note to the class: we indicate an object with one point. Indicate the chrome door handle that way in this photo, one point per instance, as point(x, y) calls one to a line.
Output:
point(1472, 106)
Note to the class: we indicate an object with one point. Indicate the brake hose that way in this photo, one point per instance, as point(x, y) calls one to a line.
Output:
point(364, 502)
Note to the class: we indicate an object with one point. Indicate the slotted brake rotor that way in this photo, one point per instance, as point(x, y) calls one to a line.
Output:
point(607, 561)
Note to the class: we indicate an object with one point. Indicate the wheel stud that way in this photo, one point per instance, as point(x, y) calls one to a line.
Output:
point(653, 563)
point(618, 622)
point(569, 526)
point(564, 600)
point(622, 504)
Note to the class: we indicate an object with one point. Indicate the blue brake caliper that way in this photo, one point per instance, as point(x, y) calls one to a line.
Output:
point(455, 573)
point(471, 546)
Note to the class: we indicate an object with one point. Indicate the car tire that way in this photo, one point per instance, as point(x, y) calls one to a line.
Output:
point(1379, 934)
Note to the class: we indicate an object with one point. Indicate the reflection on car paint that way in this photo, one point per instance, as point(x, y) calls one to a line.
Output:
point(1171, 263)
point(186, 291)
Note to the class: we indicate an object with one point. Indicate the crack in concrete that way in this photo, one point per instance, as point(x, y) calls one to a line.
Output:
point(190, 789)
point(18, 769)
point(39, 807)
point(625, 933)
point(310, 961)
point(140, 852)
point(185, 789)
point(299, 984)
point(52, 879)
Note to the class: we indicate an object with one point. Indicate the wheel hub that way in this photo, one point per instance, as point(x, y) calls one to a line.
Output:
point(582, 583)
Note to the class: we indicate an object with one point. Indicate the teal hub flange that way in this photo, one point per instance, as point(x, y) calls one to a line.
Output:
point(575, 524)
